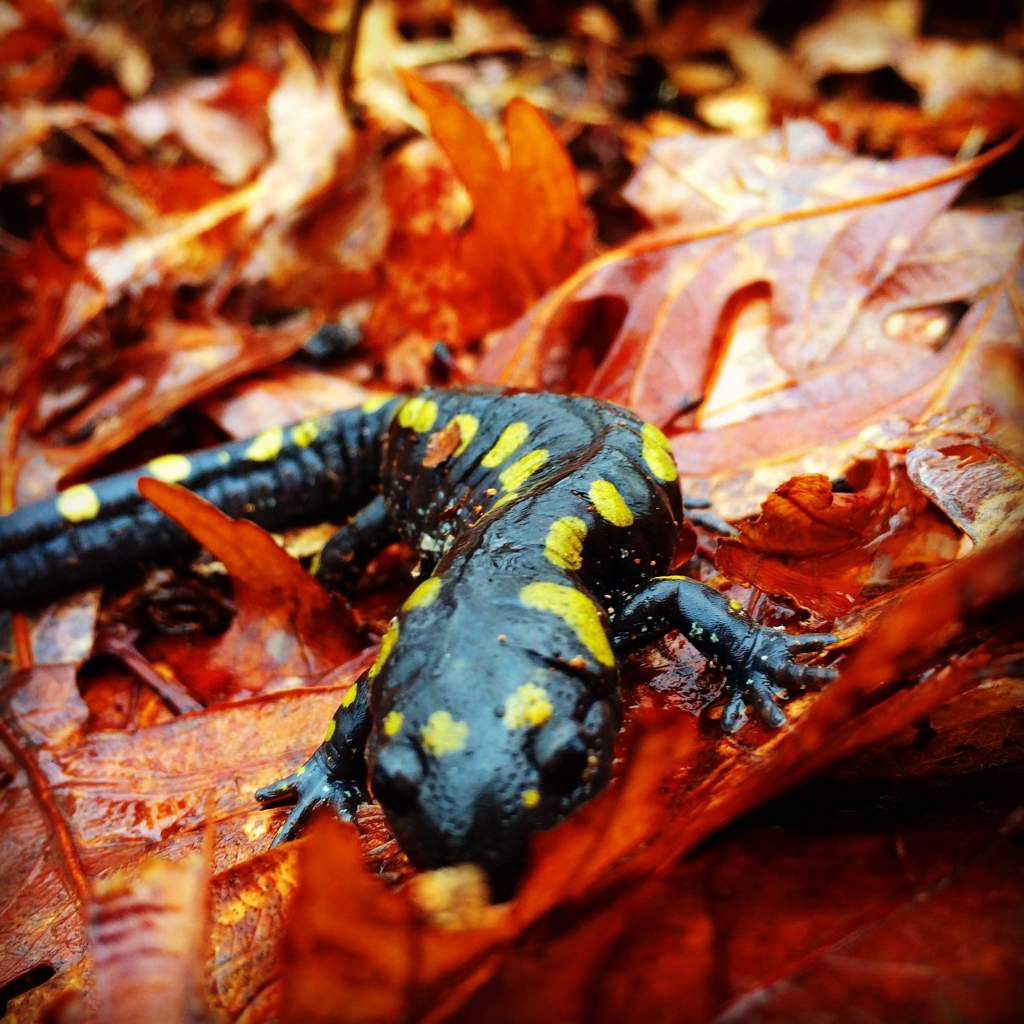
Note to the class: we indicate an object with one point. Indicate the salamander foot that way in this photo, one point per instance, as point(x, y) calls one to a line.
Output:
point(768, 672)
point(313, 785)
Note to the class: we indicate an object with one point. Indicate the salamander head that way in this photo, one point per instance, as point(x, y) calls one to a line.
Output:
point(475, 785)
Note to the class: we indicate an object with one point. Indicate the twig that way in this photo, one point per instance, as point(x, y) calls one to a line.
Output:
point(348, 54)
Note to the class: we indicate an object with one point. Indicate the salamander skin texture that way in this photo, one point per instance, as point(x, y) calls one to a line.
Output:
point(545, 526)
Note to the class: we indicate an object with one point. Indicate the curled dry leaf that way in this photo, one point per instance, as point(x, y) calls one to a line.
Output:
point(825, 550)
point(503, 261)
point(287, 627)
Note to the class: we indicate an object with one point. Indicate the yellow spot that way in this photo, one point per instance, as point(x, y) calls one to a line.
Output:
point(386, 643)
point(656, 436)
point(314, 566)
point(348, 698)
point(610, 504)
point(424, 595)
point(443, 734)
point(735, 605)
point(564, 544)
point(305, 433)
point(522, 469)
point(657, 453)
point(528, 707)
point(265, 446)
point(224, 458)
point(170, 468)
point(331, 724)
point(300, 770)
point(375, 402)
point(468, 426)
point(393, 723)
point(660, 463)
point(418, 414)
point(530, 798)
point(671, 577)
point(576, 610)
point(512, 437)
point(78, 503)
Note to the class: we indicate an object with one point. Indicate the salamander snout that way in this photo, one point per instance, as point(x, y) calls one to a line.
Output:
point(482, 799)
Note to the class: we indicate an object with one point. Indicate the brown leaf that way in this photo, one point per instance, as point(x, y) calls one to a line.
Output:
point(973, 475)
point(944, 70)
point(286, 625)
point(821, 269)
point(858, 35)
point(179, 363)
point(122, 795)
point(305, 154)
point(949, 949)
point(280, 395)
point(441, 444)
point(486, 276)
point(147, 928)
point(823, 549)
point(226, 139)
point(632, 830)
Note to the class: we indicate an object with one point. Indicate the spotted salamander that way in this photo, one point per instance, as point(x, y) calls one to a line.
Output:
point(545, 527)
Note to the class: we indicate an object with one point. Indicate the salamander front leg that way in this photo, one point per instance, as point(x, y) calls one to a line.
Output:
point(351, 549)
point(757, 661)
point(335, 776)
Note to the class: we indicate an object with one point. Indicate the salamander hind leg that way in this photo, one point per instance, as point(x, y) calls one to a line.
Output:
point(757, 661)
point(346, 555)
point(335, 776)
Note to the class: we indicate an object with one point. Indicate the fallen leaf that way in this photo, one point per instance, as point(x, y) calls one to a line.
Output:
point(147, 929)
point(179, 363)
point(825, 550)
point(225, 139)
point(287, 627)
point(503, 260)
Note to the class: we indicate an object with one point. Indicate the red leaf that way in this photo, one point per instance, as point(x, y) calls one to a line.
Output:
point(823, 549)
point(286, 624)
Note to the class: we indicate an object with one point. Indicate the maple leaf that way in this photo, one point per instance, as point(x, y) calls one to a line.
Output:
point(485, 276)
point(835, 286)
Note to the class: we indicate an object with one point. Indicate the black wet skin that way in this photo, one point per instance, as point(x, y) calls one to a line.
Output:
point(544, 525)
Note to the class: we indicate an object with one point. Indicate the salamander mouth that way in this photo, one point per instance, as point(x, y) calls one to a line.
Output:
point(500, 853)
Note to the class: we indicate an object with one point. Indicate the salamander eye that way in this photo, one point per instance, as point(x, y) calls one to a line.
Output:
point(396, 778)
point(561, 755)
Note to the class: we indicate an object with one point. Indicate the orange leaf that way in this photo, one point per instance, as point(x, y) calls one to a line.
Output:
point(529, 228)
point(286, 625)
point(464, 140)
point(823, 549)
point(549, 219)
